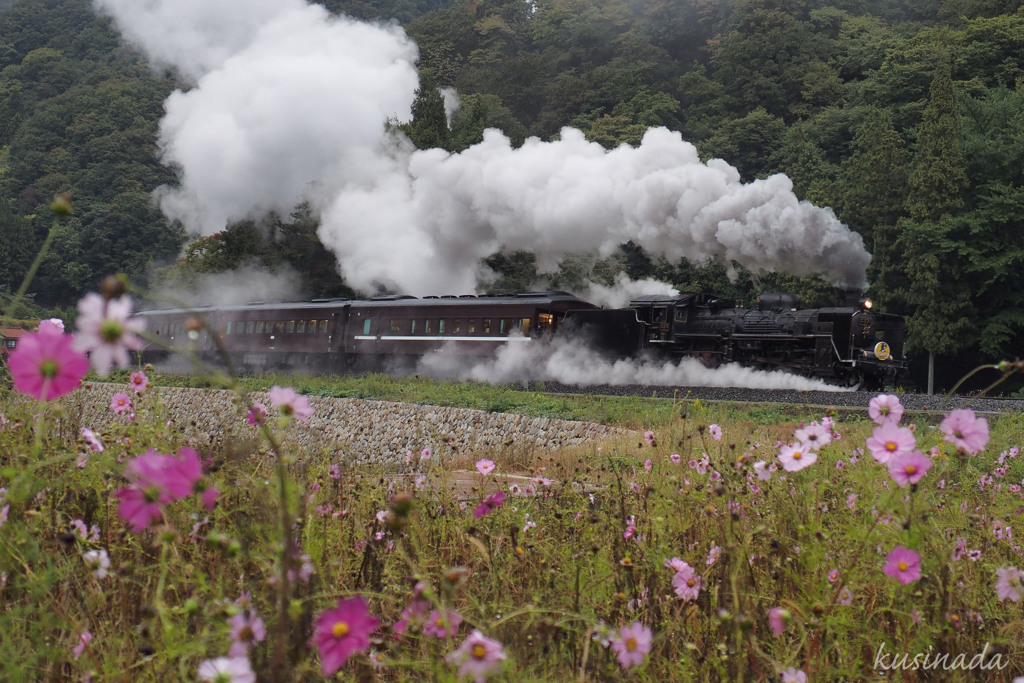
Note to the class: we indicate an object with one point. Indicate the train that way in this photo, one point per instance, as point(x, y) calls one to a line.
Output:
point(851, 346)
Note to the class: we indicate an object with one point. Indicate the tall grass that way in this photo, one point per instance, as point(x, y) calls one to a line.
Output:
point(553, 576)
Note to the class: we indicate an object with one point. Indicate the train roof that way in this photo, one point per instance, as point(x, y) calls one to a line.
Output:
point(391, 300)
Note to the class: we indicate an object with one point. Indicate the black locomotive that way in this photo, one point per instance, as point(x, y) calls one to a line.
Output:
point(849, 346)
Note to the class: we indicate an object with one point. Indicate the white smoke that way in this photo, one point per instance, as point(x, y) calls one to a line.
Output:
point(290, 105)
point(567, 362)
point(624, 290)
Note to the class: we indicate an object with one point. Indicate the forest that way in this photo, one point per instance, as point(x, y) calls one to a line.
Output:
point(906, 118)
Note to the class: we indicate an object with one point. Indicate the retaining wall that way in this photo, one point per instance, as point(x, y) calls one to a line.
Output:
point(364, 431)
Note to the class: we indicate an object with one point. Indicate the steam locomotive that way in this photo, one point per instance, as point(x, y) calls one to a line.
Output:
point(850, 346)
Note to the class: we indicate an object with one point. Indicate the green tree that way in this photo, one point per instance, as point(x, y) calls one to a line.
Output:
point(940, 308)
point(429, 126)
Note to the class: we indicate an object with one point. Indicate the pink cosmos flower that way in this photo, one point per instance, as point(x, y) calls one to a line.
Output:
point(794, 457)
point(45, 365)
point(792, 675)
point(814, 436)
point(633, 644)
point(649, 437)
point(138, 382)
point(257, 414)
point(965, 431)
point(107, 332)
point(909, 468)
point(342, 631)
point(485, 466)
point(903, 564)
point(83, 642)
point(93, 441)
point(1009, 583)
point(246, 629)
point(290, 404)
point(686, 583)
point(715, 431)
point(889, 441)
point(675, 458)
point(490, 504)
point(762, 470)
point(227, 670)
point(478, 656)
point(120, 403)
point(885, 408)
point(52, 324)
point(442, 625)
point(777, 618)
point(845, 596)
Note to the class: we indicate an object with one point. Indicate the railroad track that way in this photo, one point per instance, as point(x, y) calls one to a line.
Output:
point(824, 399)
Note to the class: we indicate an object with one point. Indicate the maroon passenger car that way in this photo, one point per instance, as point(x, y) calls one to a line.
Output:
point(335, 335)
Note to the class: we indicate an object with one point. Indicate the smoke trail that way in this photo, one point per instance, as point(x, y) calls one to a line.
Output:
point(290, 104)
point(568, 362)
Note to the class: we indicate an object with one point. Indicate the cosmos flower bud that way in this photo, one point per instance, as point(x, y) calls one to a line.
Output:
point(62, 204)
point(114, 286)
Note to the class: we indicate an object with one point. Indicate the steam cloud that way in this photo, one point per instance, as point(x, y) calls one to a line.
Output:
point(568, 362)
point(289, 104)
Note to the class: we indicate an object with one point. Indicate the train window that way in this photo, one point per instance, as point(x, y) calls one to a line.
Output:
point(300, 327)
point(311, 327)
point(545, 319)
point(471, 326)
point(396, 326)
point(323, 327)
point(291, 327)
point(366, 325)
point(428, 326)
point(412, 326)
point(487, 325)
point(249, 327)
point(440, 326)
point(227, 328)
point(501, 326)
point(456, 326)
point(524, 325)
point(278, 327)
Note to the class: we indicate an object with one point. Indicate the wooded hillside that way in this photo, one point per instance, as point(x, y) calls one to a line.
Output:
point(907, 118)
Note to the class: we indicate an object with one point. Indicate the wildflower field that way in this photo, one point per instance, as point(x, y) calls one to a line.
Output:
point(709, 545)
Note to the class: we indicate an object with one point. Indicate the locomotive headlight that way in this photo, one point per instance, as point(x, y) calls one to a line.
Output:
point(866, 304)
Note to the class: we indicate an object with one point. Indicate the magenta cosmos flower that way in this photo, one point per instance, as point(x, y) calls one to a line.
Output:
point(889, 441)
point(909, 468)
point(246, 628)
point(106, 331)
point(157, 480)
point(885, 409)
point(342, 631)
point(478, 656)
point(257, 414)
point(777, 618)
point(490, 504)
point(795, 457)
point(45, 364)
point(290, 404)
point(903, 564)
point(633, 644)
point(1008, 583)
point(965, 431)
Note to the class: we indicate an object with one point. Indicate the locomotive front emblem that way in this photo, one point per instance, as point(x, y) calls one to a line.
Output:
point(882, 351)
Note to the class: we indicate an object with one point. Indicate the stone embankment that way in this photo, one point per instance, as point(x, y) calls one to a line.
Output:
point(364, 431)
